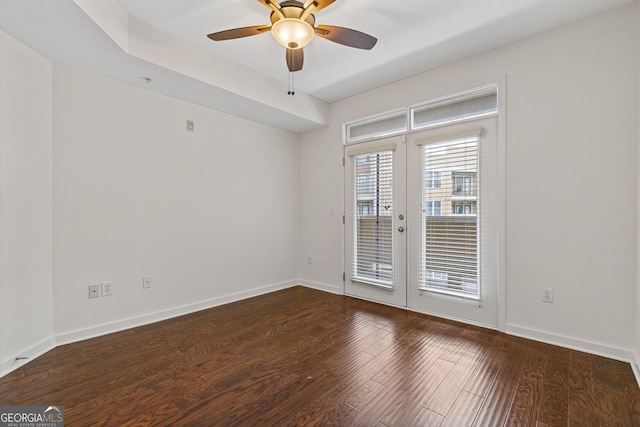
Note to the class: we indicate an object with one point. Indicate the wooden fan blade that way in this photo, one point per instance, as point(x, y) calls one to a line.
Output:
point(346, 36)
point(320, 4)
point(237, 33)
point(268, 3)
point(295, 58)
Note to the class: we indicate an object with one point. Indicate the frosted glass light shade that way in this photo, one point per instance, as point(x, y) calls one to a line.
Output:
point(292, 33)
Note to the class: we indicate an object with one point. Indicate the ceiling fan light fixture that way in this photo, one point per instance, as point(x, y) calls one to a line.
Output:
point(292, 33)
point(293, 25)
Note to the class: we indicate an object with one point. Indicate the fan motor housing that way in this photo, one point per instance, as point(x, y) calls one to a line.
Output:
point(292, 9)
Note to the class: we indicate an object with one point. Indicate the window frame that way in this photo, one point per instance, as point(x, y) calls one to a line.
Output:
point(433, 180)
point(408, 113)
point(492, 308)
point(433, 208)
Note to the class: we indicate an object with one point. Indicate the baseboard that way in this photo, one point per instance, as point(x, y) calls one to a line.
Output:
point(120, 325)
point(10, 365)
point(635, 365)
point(615, 353)
point(623, 355)
point(321, 287)
point(454, 318)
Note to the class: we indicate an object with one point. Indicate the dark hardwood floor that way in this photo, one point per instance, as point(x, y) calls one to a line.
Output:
point(301, 357)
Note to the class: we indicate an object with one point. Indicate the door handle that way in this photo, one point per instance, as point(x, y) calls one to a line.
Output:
point(401, 229)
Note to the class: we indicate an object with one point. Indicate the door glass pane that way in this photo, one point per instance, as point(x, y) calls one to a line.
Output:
point(373, 198)
point(450, 219)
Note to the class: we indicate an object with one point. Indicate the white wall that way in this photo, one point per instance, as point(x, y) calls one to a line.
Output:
point(636, 364)
point(571, 163)
point(26, 290)
point(100, 181)
point(211, 215)
point(571, 150)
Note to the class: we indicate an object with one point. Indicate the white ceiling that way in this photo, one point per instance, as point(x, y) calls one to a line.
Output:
point(166, 41)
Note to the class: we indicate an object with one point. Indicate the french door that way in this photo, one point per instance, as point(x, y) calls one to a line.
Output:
point(421, 221)
point(375, 221)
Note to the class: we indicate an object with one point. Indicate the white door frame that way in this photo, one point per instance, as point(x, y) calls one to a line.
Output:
point(500, 236)
point(483, 312)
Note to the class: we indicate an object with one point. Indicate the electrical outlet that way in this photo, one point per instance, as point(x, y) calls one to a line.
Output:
point(94, 291)
point(146, 282)
point(547, 295)
point(105, 288)
point(309, 259)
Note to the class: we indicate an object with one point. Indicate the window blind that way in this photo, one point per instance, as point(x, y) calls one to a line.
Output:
point(373, 197)
point(450, 244)
point(481, 102)
point(376, 127)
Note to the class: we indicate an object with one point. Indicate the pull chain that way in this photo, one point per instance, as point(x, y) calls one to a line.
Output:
point(291, 91)
point(290, 61)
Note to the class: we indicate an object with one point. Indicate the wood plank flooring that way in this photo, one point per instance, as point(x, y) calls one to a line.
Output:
point(301, 357)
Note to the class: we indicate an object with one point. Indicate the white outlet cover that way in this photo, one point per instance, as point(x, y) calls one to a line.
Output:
point(146, 282)
point(106, 289)
point(94, 291)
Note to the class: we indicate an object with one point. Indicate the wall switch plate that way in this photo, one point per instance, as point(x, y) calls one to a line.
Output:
point(94, 291)
point(105, 288)
point(146, 282)
point(547, 295)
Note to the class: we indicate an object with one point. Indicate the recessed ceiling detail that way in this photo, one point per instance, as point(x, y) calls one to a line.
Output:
point(163, 40)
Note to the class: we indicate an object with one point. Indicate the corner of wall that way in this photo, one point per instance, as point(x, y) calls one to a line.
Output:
point(145, 319)
point(9, 365)
point(26, 222)
point(635, 366)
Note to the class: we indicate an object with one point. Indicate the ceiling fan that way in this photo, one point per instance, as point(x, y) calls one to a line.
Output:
point(293, 25)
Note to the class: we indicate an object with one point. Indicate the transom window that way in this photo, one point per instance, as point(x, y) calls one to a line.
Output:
point(457, 108)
